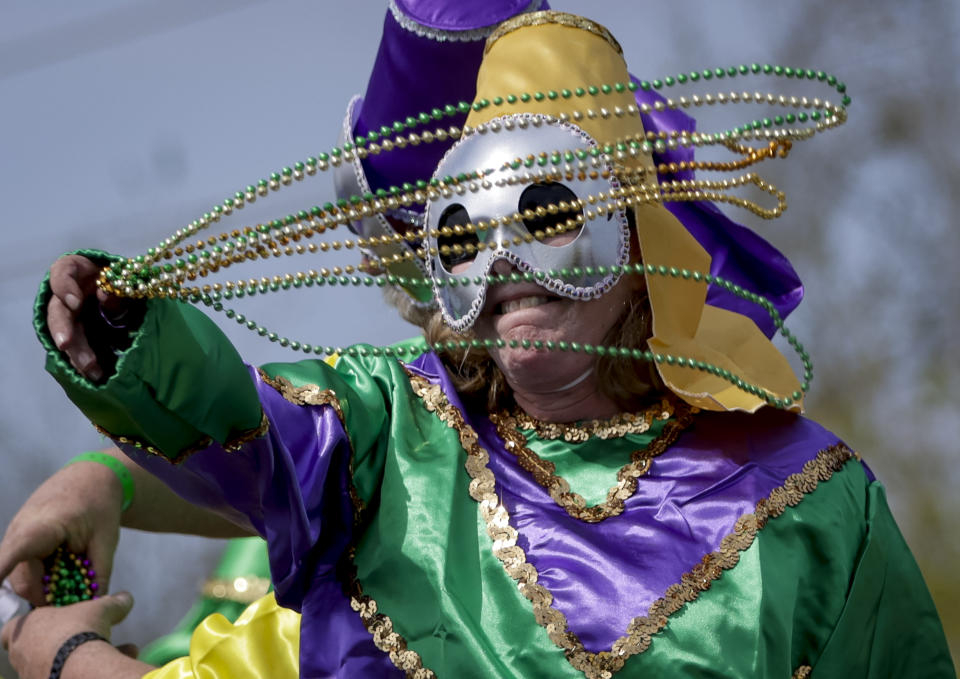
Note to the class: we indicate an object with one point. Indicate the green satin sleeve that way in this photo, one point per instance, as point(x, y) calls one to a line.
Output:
point(179, 384)
point(889, 626)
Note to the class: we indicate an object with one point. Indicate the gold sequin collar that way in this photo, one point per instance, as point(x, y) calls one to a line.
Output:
point(578, 432)
point(544, 471)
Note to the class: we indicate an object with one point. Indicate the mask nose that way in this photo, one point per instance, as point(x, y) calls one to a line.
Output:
point(502, 267)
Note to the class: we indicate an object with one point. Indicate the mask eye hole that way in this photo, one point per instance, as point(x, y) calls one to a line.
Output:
point(541, 206)
point(458, 248)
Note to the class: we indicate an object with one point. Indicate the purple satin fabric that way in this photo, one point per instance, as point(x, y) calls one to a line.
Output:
point(740, 255)
point(602, 575)
point(414, 74)
point(301, 506)
point(333, 640)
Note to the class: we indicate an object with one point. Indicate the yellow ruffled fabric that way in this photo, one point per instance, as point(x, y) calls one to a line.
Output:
point(685, 325)
point(264, 643)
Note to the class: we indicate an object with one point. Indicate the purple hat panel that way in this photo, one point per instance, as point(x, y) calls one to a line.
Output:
point(428, 58)
point(741, 256)
point(738, 254)
point(666, 120)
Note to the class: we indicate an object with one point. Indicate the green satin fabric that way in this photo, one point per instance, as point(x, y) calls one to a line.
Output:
point(774, 612)
point(591, 467)
point(792, 600)
point(789, 602)
point(365, 391)
point(783, 606)
point(884, 630)
point(476, 593)
point(745, 625)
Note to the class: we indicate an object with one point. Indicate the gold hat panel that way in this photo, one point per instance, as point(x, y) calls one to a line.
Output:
point(546, 52)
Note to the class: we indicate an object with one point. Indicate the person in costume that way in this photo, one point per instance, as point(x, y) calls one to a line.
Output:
point(495, 510)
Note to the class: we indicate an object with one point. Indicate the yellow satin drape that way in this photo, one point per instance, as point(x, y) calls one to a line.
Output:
point(685, 325)
point(264, 643)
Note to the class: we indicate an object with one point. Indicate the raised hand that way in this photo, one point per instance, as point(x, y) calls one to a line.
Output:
point(73, 284)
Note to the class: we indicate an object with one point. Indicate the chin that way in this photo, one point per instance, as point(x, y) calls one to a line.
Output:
point(553, 319)
point(542, 370)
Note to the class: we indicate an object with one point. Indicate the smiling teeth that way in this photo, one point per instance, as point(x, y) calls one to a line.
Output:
point(523, 303)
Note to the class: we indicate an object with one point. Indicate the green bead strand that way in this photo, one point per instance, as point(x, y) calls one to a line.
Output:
point(339, 154)
point(213, 301)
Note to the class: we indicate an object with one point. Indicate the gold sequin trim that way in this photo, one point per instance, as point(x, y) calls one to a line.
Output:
point(544, 471)
point(313, 395)
point(381, 629)
point(237, 442)
point(231, 446)
point(802, 672)
point(306, 395)
point(379, 626)
point(242, 590)
point(613, 428)
point(552, 17)
point(641, 629)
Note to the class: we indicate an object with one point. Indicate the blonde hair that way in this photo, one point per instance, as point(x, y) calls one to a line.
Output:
point(410, 311)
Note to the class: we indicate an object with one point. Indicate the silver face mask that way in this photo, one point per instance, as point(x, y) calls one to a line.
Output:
point(505, 188)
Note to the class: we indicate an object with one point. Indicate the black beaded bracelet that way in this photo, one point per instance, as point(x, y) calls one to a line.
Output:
point(68, 647)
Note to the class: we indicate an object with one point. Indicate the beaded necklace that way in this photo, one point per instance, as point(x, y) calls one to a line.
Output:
point(172, 268)
point(579, 432)
point(68, 578)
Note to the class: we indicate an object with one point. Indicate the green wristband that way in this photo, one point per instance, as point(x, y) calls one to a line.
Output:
point(123, 474)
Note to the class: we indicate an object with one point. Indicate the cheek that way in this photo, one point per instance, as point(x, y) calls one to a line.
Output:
point(597, 317)
point(590, 330)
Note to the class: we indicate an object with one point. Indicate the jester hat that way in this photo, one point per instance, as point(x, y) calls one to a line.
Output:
point(426, 55)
